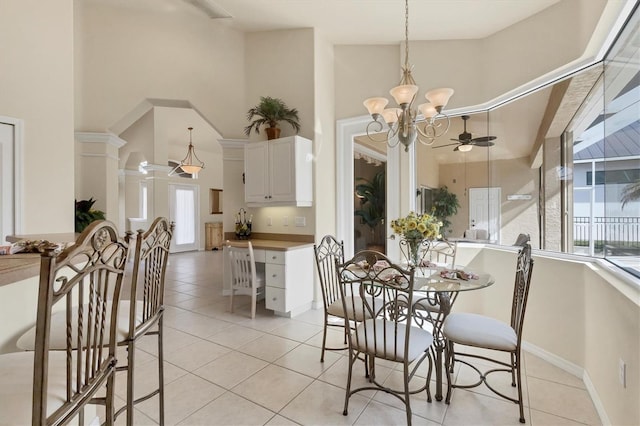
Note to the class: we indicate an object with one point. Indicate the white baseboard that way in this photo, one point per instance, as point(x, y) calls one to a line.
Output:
point(575, 370)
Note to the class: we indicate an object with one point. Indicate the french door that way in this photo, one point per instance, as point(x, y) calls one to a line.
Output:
point(184, 207)
point(484, 211)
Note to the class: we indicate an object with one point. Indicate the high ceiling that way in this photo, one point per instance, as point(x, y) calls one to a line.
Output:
point(382, 22)
point(361, 21)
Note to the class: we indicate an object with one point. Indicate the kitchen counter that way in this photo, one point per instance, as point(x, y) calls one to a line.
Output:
point(261, 244)
point(18, 267)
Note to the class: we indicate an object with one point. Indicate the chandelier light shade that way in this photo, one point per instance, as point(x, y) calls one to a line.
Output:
point(191, 163)
point(403, 124)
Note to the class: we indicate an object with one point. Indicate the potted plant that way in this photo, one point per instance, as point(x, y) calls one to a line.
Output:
point(270, 111)
point(372, 206)
point(445, 205)
point(85, 214)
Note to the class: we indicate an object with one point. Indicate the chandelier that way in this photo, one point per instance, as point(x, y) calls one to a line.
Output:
point(403, 124)
point(191, 163)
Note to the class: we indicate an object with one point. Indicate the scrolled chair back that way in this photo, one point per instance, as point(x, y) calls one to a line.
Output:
point(524, 269)
point(149, 269)
point(327, 253)
point(385, 292)
point(91, 271)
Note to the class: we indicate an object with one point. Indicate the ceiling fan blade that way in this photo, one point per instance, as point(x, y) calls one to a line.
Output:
point(482, 143)
point(484, 139)
point(449, 144)
point(457, 148)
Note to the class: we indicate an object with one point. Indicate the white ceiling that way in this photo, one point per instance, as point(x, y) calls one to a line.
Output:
point(361, 21)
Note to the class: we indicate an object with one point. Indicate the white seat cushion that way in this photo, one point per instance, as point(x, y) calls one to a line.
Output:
point(393, 348)
point(16, 384)
point(420, 302)
point(337, 310)
point(480, 331)
point(57, 340)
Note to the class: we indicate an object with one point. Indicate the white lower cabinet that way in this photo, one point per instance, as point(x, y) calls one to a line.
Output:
point(289, 280)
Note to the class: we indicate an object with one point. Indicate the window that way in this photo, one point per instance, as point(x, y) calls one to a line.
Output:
point(143, 199)
point(614, 177)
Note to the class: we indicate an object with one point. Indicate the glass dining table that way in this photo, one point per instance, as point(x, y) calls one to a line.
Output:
point(434, 292)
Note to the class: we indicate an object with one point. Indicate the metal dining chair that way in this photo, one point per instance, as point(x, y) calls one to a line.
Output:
point(385, 291)
point(439, 253)
point(139, 315)
point(327, 253)
point(479, 331)
point(146, 314)
point(43, 386)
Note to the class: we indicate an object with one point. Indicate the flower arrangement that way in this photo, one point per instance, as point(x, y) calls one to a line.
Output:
point(243, 225)
point(417, 226)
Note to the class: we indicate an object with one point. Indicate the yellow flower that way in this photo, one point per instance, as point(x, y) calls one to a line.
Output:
point(417, 226)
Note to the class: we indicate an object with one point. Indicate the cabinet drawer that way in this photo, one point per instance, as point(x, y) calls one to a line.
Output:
point(274, 275)
point(273, 256)
point(275, 299)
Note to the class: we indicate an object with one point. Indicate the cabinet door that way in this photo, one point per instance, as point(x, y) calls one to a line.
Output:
point(282, 159)
point(256, 172)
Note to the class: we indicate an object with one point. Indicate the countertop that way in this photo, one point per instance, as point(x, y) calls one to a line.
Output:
point(18, 267)
point(273, 244)
point(67, 237)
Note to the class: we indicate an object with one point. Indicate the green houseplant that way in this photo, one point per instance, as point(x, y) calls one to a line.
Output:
point(445, 205)
point(270, 111)
point(372, 195)
point(85, 214)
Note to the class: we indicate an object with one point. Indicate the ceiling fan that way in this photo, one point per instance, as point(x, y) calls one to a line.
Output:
point(466, 141)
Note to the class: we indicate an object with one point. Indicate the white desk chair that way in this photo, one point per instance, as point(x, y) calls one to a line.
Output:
point(244, 278)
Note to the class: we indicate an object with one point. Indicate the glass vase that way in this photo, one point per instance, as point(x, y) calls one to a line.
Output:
point(411, 248)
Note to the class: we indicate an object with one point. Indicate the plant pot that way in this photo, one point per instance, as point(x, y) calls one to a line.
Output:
point(272, 133)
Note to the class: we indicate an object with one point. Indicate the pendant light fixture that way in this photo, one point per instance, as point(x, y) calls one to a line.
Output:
point(403, 123)
point(191, 163)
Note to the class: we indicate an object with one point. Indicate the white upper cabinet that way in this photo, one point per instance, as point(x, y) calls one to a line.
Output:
point(278, 172)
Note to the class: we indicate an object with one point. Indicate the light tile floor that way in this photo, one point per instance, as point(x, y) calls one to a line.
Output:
point(226, 369)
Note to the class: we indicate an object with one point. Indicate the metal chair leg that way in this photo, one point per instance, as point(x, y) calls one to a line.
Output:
point(160, 370)
point(130, 381)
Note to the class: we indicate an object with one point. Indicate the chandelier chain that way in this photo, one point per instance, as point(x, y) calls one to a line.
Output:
point(406, 34)
point(403, 123)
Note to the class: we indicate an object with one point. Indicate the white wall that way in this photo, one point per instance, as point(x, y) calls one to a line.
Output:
point(36, 59)
point(129, 55)
point(594, 315)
